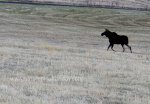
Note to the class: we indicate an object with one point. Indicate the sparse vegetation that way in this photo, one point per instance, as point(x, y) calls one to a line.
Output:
point(54, 55)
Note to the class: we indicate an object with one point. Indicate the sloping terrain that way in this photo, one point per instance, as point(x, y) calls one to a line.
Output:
point(128, 4)
point(55, 55)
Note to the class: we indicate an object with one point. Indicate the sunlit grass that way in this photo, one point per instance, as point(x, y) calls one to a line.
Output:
point(54, 54)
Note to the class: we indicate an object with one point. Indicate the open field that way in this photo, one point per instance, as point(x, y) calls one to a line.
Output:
point(128, 4)
point(55, 55)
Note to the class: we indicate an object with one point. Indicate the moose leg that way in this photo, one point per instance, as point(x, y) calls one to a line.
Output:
point(129, 47)
point(112, 47)
point(108, 47)
point(123, 47)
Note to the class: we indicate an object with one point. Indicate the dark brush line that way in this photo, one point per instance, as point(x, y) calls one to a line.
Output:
point(67, 5)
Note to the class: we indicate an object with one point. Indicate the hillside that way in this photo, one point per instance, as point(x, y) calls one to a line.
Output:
point(56, 55)
point(132, 4)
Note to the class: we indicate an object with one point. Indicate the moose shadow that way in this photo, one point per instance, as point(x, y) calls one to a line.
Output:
point(114, 38)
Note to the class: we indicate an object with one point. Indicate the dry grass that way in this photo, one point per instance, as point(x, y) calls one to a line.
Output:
point(55, 55)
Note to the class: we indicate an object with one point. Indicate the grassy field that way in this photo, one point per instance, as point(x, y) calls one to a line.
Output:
point(55, 55)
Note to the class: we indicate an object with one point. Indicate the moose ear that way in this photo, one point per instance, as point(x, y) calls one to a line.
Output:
point(106, 30)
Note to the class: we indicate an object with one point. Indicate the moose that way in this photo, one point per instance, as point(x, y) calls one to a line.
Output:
point(114, 38)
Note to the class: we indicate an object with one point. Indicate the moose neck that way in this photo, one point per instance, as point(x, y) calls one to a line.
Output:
point(108, 34)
